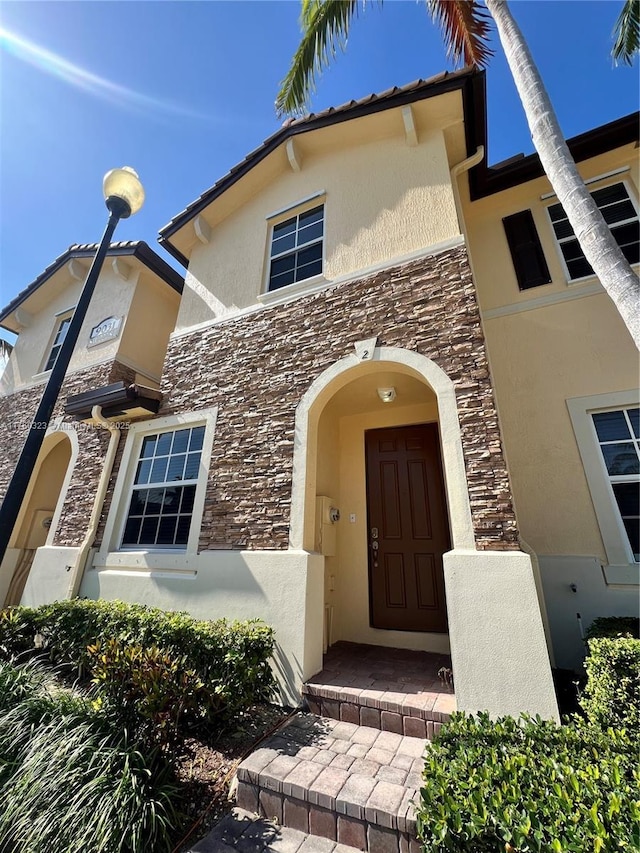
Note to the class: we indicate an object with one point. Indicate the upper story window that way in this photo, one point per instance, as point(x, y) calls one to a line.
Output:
point(164, 488)
point(621, 216)
point(296, 248)
point(61, 333)
point(618, 434)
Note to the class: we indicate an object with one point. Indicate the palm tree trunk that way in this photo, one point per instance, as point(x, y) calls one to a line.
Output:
point(592, 232)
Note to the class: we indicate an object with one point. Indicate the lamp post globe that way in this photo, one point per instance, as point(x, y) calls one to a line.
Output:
point(122, 186)
point(124, 196)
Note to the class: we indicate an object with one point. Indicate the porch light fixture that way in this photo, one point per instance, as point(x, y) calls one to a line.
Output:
point(387, 395)
point(124, 196)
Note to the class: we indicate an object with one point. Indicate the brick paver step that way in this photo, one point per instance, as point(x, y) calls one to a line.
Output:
point(397, 690)
point(345, 782)
point(243, 832)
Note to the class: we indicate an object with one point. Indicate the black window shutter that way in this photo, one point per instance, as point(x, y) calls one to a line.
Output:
point(526, 250)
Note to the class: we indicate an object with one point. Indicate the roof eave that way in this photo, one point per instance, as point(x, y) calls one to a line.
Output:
point(466, 80)
point(485, 181)
point(139, 250)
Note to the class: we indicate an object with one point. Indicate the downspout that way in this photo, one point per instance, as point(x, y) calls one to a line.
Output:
point(456, 171)
point(77, 570)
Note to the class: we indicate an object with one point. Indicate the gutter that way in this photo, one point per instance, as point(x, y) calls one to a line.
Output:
point(79, 565)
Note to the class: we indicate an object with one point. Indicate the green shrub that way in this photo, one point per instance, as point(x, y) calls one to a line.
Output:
point(68, 783)
point(150, 693)
point(611, 698)
point(614, 626)
point(231, 659)
point(529, 785)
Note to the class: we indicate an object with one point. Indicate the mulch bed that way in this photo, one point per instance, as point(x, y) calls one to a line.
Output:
point(206, 770)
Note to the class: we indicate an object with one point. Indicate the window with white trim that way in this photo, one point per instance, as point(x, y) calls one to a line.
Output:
point(164, 488)
point(620, 214)
point(58, 340)
point(618, 433)
point(296, 248)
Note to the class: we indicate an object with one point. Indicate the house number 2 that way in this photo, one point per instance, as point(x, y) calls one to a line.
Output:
point(365, 349)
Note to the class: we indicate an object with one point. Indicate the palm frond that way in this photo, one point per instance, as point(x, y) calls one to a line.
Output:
point(627, 33)
point(466, 28)
point(325, 28)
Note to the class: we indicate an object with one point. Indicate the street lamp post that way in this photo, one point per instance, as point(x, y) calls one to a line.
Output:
point(124, 196)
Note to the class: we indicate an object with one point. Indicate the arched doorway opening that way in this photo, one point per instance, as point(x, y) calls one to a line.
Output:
point(394, 472)
point(35, 525)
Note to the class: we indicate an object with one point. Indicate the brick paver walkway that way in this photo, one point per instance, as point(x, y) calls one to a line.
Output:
point(343, 777)
point(342, 781)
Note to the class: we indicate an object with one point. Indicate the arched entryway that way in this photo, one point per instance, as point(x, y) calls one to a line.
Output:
point(394, 470)
point(36, 522)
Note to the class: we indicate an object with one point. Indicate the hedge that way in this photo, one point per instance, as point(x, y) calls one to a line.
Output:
point(529, 785)
point(611, 698)
point(614, 626)
point(230, 659)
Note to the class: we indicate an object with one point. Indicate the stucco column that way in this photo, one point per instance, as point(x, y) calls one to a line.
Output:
point(498, 648)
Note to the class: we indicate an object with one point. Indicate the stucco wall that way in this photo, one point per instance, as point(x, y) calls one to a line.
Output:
point(539, 360)
point(112, 297)
point(148, 308)
point(149, 322)
point(409, 206)
point(492, 265)
point(548, 344)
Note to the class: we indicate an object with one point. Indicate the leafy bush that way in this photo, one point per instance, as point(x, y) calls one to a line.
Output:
point(147, 691)
point(529, 785)
point(614, 626)
point(231, 659)
point(98, 792)
point(611, 698)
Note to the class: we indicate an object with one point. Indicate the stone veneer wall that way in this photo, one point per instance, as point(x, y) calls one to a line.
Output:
point(17, 410)
point(257, 367)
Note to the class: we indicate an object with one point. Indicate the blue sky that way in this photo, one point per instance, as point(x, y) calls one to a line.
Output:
point(183, 90)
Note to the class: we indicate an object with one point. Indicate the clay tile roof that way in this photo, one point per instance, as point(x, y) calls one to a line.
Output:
point(136, 248)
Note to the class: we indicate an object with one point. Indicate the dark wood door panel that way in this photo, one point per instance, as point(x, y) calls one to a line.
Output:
point(408, 528)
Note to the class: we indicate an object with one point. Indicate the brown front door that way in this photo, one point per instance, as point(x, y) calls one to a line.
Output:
point(408, 528)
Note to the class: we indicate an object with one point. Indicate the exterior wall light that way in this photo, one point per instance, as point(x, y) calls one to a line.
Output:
point(387, 395)
point(124, 196)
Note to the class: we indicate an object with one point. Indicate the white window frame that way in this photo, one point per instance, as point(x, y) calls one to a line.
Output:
point(114, 555)
point(61, 317)
point(299, 208)
point(622, 567)
point(557, 243)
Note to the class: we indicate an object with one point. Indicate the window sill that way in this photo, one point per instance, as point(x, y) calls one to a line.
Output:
point(147, 562)
point(628, 575)
point(38, 377)
point(293, 291)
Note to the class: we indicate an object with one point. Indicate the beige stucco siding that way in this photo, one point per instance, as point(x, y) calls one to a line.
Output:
point(148, 324)
point(546, 345)
point(112, 298)
point(539, 359)
point(144, 303)
point(492, 265)
point(383, 200)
